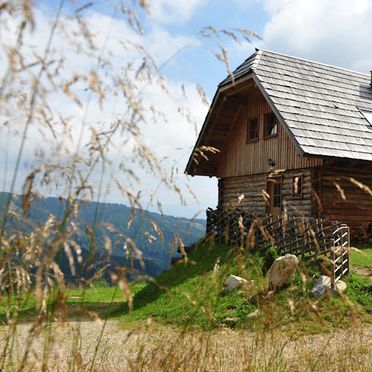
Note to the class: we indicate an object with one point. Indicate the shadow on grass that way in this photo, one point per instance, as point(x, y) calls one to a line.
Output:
point(73, 311)
point(201, 259)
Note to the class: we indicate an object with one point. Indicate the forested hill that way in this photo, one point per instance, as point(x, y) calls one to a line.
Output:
point(157, 248)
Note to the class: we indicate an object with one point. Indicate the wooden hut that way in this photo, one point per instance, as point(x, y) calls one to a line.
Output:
point(284, 134)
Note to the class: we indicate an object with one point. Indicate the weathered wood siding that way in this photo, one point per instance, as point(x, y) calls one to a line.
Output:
point(252, 187)
point(241, 158)
point(346, 195)
point(231, 190)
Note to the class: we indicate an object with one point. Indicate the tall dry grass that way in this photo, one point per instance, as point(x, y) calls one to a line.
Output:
point(57, 142)
point(48, 104)
point(165, 349)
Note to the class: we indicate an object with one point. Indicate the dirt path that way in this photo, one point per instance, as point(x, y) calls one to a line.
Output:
point(161, 348)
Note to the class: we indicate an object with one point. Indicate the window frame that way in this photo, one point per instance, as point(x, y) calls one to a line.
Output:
point(248, 137)
point(301, 194)
point(271, 181)
point(266, 116)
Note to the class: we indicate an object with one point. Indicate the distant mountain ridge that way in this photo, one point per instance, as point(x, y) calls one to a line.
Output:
point(157, 248)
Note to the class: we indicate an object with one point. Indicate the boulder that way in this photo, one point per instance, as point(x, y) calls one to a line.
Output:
point(341, 286)
point(234, 282)
point(323, 286)
point(282, 271)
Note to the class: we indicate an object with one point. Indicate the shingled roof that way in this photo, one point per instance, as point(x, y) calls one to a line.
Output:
point(318, 104)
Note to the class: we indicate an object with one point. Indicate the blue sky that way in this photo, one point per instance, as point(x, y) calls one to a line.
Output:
point(330, 31)
point(194, 61)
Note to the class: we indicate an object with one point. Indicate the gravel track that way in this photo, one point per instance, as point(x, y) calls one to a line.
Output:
point(161, 348)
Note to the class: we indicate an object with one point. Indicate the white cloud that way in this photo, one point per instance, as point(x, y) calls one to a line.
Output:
point(170, 138)
point(174, 11)
point(335, 32)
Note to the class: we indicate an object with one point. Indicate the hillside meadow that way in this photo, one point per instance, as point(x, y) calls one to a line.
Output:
point(184, 321)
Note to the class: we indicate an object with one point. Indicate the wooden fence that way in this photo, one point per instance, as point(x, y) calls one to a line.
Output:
point(340, 253)
point(308, 237)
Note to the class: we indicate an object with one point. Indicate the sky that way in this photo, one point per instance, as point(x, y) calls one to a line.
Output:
point(336, 32)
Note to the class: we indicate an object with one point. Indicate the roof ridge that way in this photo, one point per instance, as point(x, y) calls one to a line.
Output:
point(253, 56)
point(312, 61)
point(257, 57)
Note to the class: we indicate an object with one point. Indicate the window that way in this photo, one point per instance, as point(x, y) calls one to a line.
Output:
point(367, 115)
point(252, 130)
point(277, 195)
point(297, 185)
point(274, 190)
point(271, 125)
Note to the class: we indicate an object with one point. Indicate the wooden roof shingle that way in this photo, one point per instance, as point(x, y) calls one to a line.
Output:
point(318, 104)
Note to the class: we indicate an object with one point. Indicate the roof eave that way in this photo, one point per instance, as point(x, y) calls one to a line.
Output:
point(220, 94)
point(201, 133)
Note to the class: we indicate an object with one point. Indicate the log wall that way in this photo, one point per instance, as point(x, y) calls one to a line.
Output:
point(346, 195)
point(239, 157)
point(231, 190)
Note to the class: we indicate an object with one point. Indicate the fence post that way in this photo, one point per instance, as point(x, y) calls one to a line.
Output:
point(347, 253)
point(333, 264)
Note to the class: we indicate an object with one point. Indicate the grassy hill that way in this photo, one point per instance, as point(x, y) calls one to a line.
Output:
point(194, 296)
point(190, 295)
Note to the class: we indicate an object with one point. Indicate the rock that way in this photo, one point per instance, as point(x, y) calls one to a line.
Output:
point(341, 286)
point(322, 286)
point(282, 271)
point(234, 282)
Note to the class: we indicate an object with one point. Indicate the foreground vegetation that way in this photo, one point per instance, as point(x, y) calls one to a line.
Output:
point(190, 294)
point(163, 348)
point(184, 321)
point(80, 131)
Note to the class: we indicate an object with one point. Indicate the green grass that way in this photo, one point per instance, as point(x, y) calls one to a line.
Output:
point(190, 295)
point(101, 293)
point(363, 258)
point(99, 298)
point(360, 286)
point(360, 290)
point(193, 297)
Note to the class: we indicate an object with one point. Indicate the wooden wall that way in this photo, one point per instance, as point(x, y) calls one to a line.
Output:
point(241, 158)
point(252, 187)
point(335, 189)
point(346, 195)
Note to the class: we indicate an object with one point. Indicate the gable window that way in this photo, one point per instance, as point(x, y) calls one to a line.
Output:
point(252, 130)
point(297, 186)
point(367, 115)
point(271, 125)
